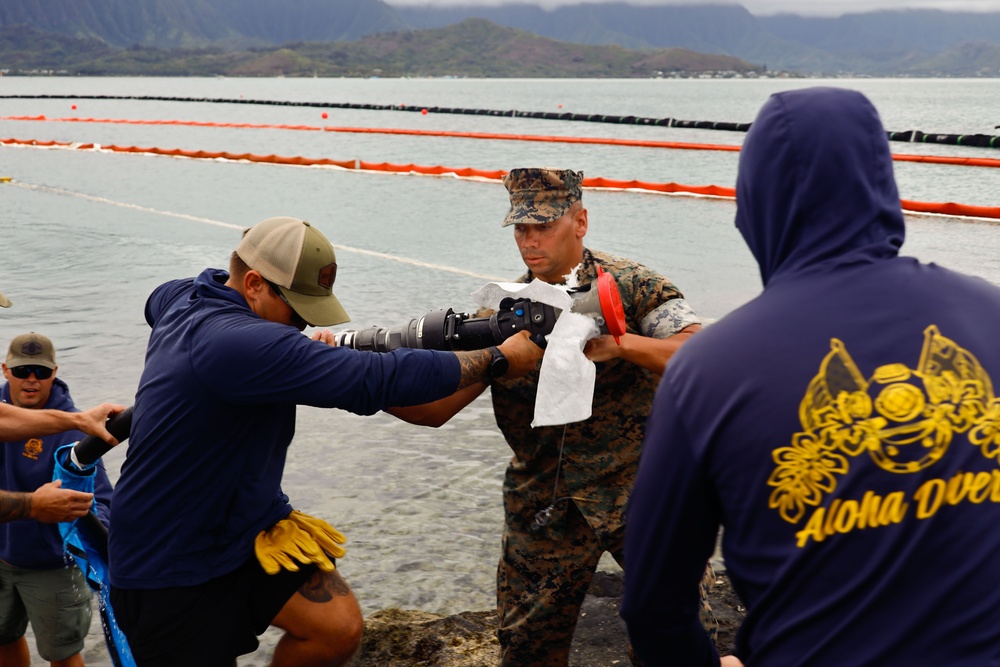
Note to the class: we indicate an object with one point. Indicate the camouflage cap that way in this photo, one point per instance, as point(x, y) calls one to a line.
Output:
point(538, 196)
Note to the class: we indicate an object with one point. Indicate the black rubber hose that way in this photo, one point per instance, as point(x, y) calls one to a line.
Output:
point(92, 448)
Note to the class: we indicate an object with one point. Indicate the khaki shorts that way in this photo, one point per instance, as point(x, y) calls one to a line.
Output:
point(57, 602)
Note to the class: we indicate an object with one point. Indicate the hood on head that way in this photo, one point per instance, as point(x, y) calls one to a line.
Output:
point(816, 184)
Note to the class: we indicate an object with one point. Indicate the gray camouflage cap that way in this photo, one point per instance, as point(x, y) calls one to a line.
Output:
point(538, 196)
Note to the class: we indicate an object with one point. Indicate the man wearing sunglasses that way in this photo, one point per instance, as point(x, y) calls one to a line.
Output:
point(206, 550)
point(16, 423)
point(35, 583)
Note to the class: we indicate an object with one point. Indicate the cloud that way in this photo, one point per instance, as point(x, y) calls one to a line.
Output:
point(756, 7)
point(840, 7)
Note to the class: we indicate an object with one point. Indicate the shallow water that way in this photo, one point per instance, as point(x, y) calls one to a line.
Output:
point(85, 236)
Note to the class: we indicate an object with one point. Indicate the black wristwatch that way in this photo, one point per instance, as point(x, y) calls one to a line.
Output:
point(498, 365)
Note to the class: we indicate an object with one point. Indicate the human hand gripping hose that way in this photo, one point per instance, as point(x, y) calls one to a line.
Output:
point(302, 538)
point(75, 466)
point(86, 452)
point(86, 538)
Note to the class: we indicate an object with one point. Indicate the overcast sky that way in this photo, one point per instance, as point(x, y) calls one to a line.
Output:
point(764, 7)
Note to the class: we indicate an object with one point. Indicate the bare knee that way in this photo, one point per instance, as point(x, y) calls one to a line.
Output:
point(340, 637)
point(331, 644)
point(322, 622)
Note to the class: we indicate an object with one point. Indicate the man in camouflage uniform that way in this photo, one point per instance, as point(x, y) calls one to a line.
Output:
point(566, 486)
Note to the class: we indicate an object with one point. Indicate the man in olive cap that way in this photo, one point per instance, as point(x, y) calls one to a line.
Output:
point(29, 369)
point(205, 549)
point(16, 423)
point(36, 584)
point(566, 487)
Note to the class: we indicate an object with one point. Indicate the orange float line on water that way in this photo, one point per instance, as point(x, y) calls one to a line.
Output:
point(400, 131)
point(606, 141)
point(436, 170)
point(186, 123)
point(951, 209)
point(944, 159)
point(641, 143)
point(717, 191)
point(666, 188)
point(196, 155)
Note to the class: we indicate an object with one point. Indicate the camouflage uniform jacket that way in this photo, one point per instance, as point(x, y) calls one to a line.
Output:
point(600, 455)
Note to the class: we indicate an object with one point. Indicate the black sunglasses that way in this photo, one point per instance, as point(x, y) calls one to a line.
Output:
point(297, 320)
point(23, 372)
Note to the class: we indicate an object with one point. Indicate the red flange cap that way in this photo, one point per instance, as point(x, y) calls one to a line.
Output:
point(611, 304)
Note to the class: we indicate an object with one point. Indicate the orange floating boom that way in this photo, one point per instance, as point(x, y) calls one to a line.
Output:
point(608, 141)
point(946, 208)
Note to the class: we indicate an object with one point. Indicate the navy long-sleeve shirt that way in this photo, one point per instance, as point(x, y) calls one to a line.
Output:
point(214, 415)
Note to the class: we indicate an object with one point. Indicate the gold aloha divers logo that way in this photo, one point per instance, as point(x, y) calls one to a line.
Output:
point(32, 449)
point(903, 419)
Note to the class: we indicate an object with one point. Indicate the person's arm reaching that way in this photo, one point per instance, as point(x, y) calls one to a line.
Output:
point(19, 423)
point(523, 356)
point(48, 504)
point(94, 421)
point(439, 412)
point(649, 353)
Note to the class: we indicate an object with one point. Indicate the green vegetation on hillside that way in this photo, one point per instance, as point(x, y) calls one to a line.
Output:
point(473, 48)
point(219, 34)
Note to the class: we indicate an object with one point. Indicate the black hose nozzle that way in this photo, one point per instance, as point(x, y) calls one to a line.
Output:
point(91, 448)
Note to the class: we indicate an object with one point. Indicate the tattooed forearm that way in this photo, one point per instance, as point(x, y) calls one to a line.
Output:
point(324, 586)
point(474, 365)
point(14, 506)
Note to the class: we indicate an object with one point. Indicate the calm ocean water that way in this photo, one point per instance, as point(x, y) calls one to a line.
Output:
point(85, 236)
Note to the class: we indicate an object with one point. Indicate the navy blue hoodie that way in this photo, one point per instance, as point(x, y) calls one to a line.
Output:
point(26, 465)
point(214, 415)
point(842, 427)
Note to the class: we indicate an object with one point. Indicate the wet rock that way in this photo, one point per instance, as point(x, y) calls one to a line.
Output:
point(401, 638)
point(405, 638)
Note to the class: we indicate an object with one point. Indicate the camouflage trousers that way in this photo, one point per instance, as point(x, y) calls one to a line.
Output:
point(542, 579)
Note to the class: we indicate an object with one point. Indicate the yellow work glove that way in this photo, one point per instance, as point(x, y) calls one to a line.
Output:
point(298, 537)
point(327, 537)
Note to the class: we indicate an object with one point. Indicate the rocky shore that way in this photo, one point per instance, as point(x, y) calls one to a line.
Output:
point(408, 638)
point(401, 638)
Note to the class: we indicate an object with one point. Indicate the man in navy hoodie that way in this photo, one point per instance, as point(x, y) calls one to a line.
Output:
point(205, 549)
point(36, 582)
point(842, 427)
point(17, 423)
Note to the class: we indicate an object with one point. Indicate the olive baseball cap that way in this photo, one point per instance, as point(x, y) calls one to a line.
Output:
point(299, 260)
point(4, 301)
point(538, 196)
point(31, 349)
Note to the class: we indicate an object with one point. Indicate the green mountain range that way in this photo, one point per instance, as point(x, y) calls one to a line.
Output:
point(474, 47)
point(299, 35)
